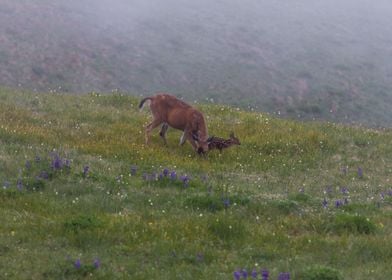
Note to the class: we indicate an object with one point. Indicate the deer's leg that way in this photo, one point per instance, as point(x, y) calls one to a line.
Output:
point(183, 139)
point(163, 131)
point(189, 135)
point(150, 127)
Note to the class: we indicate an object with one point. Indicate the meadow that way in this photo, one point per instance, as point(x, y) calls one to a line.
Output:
point(82, 197)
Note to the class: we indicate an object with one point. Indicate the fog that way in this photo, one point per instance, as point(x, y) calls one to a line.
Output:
point(328, 59)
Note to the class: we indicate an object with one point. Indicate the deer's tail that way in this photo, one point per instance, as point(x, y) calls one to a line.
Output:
point(143, 101)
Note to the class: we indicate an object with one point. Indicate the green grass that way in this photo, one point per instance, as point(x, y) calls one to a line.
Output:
point(258, 205)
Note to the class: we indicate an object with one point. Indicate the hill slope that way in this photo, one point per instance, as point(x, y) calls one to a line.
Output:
point(83, 196)
point(307, 59)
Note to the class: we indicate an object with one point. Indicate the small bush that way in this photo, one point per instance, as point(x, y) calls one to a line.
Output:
point(285, 206)
point(82, 223)
point(215, 203)
point(352, 224)
point(321, 273)
point(226, 228)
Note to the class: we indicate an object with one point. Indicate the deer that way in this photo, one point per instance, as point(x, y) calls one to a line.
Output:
point(221, 143)
point(169, 111)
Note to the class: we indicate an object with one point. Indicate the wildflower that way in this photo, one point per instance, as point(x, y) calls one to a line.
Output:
point(338, 203)
point(86, 169)
point(244, 273)
point(145, 176)
point(133, 170)
point(57, 163)
point(360, 172)
point(185, 180)
point(328, 190)
point(67, 163)
point(43, 175)
point(204, 178)
point(254, 274)
point(96, 263)
point(325, 203)
point(165, 172)
point(284, 276)
point(173, 175)
point(161, 176)
point(28, 164)
point(237, 275)
point(226, 202)
point(199, 257)
point(264, 274)
point(344, 190)
point(19, 184)
point(6, 184)
point(77, 264)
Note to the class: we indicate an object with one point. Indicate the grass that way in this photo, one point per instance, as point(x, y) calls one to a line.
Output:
point(82, 196)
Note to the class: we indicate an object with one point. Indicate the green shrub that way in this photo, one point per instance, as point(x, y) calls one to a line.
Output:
point(319, 272)
point(82, 222)
point(352, 224)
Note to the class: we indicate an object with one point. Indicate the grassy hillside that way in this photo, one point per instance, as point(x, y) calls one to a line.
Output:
point(310, 59)
point(83, 197)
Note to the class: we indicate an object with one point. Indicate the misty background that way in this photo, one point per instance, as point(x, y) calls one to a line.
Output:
point(308, 59)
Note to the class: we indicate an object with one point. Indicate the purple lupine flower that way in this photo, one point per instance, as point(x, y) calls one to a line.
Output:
point(244, 273)
point(57, 163)
point(185, 180)
point(173, 175)
point(254, 274)
point(133, 170)
point(145, 176)
point(264, 274)
point(360, 172)
point(328, 190)
point(43, 175)
point(96, 263)
point(161, 176)
point(28, 164)
point(382, 195)
point(86, 169)
point(237, 275)
point(165, 172)
point(67, 163)
point(284, 276)
point(325, 203)
point(77, 264)
point(338, 203)
point(6, 184)
point(344, 190)
point(344, 170)
point(226, 202)
point(390, 192)
point(19, 184)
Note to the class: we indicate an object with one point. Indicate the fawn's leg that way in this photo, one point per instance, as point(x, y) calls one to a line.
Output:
point(149, 128)
point(163, 131)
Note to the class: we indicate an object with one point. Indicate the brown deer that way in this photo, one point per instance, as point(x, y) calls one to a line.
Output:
point(220, 143)
point(168, 110)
